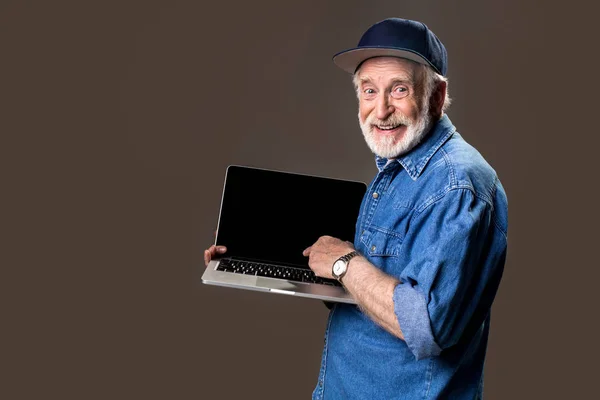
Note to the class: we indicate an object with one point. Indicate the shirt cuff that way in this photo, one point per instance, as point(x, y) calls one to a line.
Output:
point(411, 310)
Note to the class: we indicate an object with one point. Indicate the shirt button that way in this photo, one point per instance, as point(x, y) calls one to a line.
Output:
point(375, 195)
point(373, 248)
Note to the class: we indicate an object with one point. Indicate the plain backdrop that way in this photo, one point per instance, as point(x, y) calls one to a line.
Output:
point(118, 119)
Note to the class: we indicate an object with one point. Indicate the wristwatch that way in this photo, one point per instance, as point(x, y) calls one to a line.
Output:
point(340, 266)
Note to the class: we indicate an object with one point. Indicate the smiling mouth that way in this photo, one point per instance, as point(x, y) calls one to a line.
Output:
point(387, 128)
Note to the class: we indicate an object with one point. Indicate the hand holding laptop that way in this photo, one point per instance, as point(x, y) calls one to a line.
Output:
point(212, 252)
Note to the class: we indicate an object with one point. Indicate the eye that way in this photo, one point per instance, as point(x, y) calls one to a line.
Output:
point(399, 92)
point(369, 93)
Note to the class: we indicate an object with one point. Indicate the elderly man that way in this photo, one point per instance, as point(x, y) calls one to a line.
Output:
point(430, 239)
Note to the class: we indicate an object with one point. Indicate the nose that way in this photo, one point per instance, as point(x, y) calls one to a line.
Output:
point(383, 108)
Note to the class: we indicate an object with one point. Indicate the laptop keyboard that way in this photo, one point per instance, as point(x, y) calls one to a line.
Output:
point(273, 271)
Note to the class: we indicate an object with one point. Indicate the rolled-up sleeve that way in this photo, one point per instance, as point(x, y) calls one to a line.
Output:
point(443, 283)
point(411, 310)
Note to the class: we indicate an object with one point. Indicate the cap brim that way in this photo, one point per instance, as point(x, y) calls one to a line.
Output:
point(349, 60)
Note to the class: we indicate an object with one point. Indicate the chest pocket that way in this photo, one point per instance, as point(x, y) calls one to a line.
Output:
point(380, 242)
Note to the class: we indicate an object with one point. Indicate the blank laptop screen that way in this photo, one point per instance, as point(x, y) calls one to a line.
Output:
point(273, 216)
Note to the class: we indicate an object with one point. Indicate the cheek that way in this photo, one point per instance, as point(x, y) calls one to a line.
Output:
point(410, 109)
point(363, 113)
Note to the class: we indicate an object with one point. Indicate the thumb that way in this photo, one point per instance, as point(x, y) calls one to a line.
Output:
point(306, 251)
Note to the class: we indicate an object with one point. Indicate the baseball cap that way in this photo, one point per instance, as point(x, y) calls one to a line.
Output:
point(396, 37)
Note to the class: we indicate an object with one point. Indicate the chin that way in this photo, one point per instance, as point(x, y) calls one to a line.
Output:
point(392, 146)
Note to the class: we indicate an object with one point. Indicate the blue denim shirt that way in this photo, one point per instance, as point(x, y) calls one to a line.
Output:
point(436, 219)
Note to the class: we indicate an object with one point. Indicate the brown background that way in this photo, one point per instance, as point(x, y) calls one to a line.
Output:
point(118, 120)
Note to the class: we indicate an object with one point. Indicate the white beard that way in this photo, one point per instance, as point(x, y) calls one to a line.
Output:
point(387, 146)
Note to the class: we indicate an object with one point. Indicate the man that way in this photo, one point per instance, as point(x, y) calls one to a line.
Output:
point(430, 240)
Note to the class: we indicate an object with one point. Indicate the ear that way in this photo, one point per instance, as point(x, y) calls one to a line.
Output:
point(436, 102)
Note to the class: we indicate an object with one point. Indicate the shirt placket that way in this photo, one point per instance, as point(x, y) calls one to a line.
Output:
point(376, 195)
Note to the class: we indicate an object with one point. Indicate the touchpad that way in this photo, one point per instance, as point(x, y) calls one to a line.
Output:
point(275, 284)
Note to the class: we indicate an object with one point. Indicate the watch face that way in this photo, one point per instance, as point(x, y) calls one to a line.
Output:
point(339, 267)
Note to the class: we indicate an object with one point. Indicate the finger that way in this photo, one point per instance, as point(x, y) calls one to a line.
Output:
point(206, 257)
point(214, 250)
point(306, 251)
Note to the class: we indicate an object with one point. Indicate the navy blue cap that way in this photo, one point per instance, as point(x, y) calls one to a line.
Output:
point(396, 37)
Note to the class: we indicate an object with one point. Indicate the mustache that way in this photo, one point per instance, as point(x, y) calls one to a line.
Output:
point(393, 120)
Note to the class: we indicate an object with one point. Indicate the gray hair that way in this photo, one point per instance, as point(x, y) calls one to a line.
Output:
point(432, 79)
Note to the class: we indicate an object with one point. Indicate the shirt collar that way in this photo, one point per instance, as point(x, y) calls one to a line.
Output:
point(414, 161)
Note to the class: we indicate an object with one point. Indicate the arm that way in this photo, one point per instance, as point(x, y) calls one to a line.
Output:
point(372, 289)
point(440, 284)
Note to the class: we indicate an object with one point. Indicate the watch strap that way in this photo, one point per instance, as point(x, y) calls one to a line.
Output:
point(349, 256)
point(346, 258)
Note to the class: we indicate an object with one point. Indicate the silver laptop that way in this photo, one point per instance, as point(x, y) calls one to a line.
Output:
point(268, 218)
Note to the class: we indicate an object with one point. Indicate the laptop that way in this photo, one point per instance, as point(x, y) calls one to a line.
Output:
point(267, 219)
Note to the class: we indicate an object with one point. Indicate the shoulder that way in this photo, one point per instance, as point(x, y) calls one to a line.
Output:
point(464, 171)
point(462, 167)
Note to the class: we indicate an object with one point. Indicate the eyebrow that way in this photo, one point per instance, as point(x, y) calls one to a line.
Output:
point(395, 80)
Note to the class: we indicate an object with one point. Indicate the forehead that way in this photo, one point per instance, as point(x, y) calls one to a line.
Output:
point(387, 68)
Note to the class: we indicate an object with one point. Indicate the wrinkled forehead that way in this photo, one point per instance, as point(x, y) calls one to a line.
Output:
point(388, 67)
